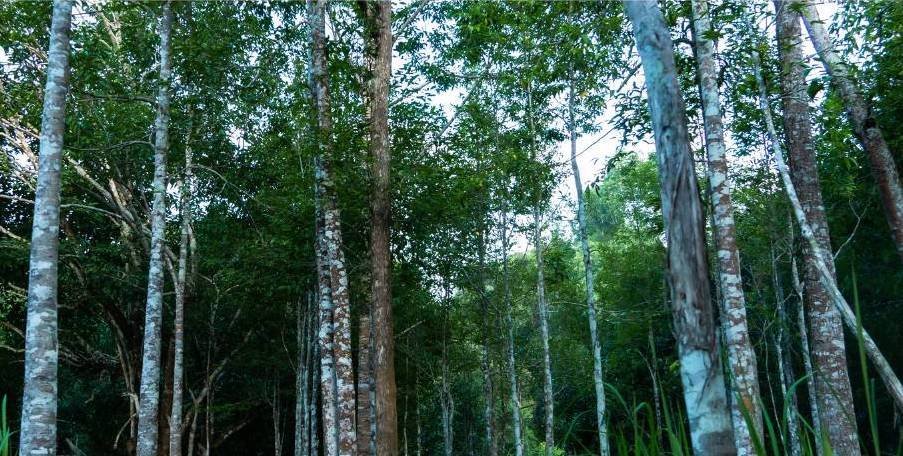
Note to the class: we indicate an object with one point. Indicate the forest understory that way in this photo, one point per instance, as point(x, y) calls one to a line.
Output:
point(458, 227)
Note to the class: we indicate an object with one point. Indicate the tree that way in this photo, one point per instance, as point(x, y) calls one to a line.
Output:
point(149, 402)
point(740, 355)
point(380, 41)
point(832, 382)
point(701, 374)
point(39, 398)
point(862, 117)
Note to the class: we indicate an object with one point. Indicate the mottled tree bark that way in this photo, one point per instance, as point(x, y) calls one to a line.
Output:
point(701, 374)
point(153, 321)
point(598, 381)
point(39, 400)
point(302, 375)
point(542, 310)
point(740, 354)
point(509, 323)
point(804, 347)
point(826, 274)
point(862, 118)
point(832, 382)
point(335, 314)
point(178, 375)
point(364, 385)
point(383, 362)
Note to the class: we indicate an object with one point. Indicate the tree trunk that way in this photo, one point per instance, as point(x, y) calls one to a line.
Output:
point(804, 349)
point(598, 382)
point(364, 383)
point(485, 365)
point(302, 375)
point(740, 354)
point(178, 375)
point(543, 311)
point(446, 401)
point(700, 365)
point(153, 322)
point(39, 400)
point(832, 382)
point(862, 118)
point(509, 323)
point(381, 41)
point(335, 332)
point(785, 364)
point(826, 274)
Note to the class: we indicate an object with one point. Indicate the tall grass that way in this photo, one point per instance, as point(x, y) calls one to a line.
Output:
point(5, 432)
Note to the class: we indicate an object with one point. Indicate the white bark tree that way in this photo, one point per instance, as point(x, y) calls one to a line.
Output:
point(740, 355)
point(700, 365)
point(39, 400)
point(148, 406)
point(509, 323)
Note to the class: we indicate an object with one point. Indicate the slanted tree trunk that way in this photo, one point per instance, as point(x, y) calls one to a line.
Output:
point(543, 311)
point(598, 381)
point(832, 382)
point(862, 118)
point(700, 365)
point(826, 274)
point(740, 354)
point(178, 375)
point(785, 363)
point(39, 400)
point(509, 323)
point(153, 321)
point(379, 16)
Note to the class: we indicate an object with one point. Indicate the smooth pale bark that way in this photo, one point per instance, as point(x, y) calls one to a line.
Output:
point(804, 348)
point(700, 365)
point(543, 310)
point(331, 256)
point(381, 40)
point(598, 381)
point(509, 323)
point(826, 274)
point(785, 363)
point(39, 400)
point(740, 354)
point(862, 118)
point(303, 331)
point(148, 408)
point(832, 383)
point(178, 374)
point(485, 366)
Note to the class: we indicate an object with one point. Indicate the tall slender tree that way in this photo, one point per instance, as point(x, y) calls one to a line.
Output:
point(735, 328)
point(700, 365)
point(598, 381)
point(509, 323)
point(178, 375)
point(862, 118)
point(149, 401)
point(832, 381)
point(380, 45)
point(39, 401)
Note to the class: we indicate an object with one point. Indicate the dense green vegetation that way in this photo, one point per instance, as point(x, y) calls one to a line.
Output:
point(478, 113)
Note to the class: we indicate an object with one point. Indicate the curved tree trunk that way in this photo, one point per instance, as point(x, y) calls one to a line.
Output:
point(148, 410)
point(740, 354)
point(832, 382)
point(700, 365)
point(865, 126)
point(598, 381)
point(39, 401)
